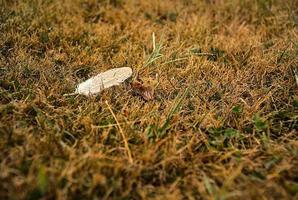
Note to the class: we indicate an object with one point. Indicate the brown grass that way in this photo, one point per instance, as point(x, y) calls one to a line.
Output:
point(222, 124)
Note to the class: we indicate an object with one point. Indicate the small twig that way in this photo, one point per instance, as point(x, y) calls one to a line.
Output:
point(203, 54)
point(296, 76)
point(70, 94)
point(122, 134)
point(153, 41)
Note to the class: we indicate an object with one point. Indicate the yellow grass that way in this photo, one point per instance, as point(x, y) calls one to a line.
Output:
point(222, 124)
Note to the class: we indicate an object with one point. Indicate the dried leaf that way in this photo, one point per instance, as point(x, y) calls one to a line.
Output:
point(145, 92)
point(104, 80)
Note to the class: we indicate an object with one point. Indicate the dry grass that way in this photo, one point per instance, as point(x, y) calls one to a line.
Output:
point(222, 125)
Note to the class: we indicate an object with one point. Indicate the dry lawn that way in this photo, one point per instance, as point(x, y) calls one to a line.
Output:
point(222, 123)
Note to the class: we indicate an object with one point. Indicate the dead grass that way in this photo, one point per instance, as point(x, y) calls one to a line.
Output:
point(222, 125)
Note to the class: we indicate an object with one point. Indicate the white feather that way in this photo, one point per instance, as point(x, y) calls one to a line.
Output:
point(104, 80)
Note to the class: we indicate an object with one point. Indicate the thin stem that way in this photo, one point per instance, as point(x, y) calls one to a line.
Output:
point(122, 134)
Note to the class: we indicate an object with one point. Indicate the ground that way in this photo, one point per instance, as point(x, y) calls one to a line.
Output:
point(220, 121)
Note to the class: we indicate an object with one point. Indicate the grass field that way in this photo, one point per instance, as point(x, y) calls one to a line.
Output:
point(222, 123)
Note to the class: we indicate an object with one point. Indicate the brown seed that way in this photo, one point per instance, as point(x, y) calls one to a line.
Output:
point(145, 92)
